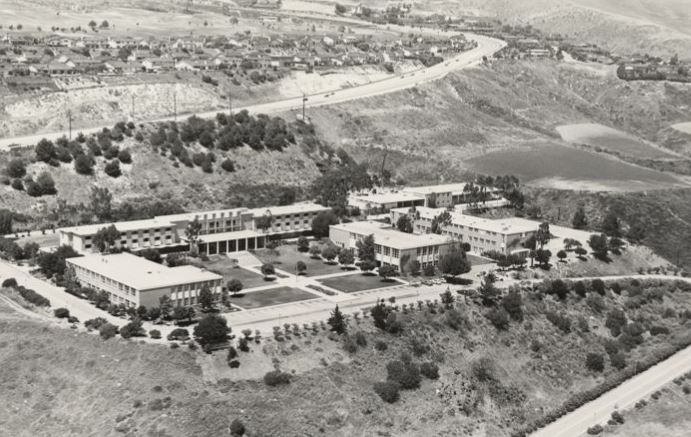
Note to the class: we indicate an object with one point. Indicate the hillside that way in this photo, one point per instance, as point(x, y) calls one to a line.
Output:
point(490, 380)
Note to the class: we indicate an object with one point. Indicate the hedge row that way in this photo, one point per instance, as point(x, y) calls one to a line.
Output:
point(579, 399)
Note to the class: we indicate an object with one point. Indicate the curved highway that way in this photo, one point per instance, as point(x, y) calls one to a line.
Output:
point(486, 46)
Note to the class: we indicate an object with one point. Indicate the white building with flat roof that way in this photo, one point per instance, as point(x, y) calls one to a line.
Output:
point(392, 247)
point(225, 230)
point(483, 235)
point(134, 281)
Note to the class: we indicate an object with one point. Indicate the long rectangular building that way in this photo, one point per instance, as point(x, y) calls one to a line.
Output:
point(483, 235)
point(227, 230)
point(133, 281)
point(392, 247)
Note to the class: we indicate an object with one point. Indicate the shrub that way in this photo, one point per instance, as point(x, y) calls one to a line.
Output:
point(61, 313)
point(84, 165)
point(388, 391)
point(598, 286)
point(107, 331)
point(112, 169)
point(579, 288)
point(95, 323)
point(179, 334)
point(561, 321)
point(617, 360)
point(456, 320)
point(596, 303)
point(132, 329)
point(125, 156)
point(18, 185)
point(407, 375)
point(429, 370)
point(349, 345)
point(155, 334)
point(659, 330)
point(9, 283)
point(381, 345)
point(16, 168)
point(483, 369)
point(233, 364)
point(499, 318)
point(228, 165)
point(595, 430)
point(276, 377)
point(360, 339)
point(237, 428)
point(32, 297)
point(595, 362)
point(617, 417)
point(232, 353)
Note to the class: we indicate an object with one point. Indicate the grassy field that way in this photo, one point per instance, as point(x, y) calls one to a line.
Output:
point(226, 267)
point(555, 166)
point(608, 139)
point(357, 282)
point(288, 256)
point(667, 416)
point(270, 297)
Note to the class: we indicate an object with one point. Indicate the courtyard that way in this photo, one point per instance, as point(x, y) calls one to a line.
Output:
point(288, 255)
point(270, 297)
point(357, 282)
point(229, 269)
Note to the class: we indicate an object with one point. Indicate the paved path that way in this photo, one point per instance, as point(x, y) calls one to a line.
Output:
point(486, 47)
point(576, 423)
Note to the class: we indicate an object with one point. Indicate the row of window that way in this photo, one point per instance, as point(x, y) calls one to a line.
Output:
point(194, 286)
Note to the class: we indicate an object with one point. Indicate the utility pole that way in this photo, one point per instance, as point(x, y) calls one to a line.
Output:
point(304, 100)
point(175, 105)
point(69, 123)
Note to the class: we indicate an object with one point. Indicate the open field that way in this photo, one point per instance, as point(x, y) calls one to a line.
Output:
point(555, 166)
point(227, 267)
point(357, 282)
point(611, 140)
point(270, 297)
point(288, 256)
point(666, 416)
point(683, 127)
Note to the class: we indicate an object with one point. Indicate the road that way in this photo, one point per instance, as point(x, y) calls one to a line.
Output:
point(576, 423)
point(486, 46)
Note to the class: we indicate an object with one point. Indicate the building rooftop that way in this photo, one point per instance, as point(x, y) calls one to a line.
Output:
point(511, 225)
point(443, 188)
point(132, 225)
point(387, 197)
point(140, 273)
point(387, 236)
point(295, 208)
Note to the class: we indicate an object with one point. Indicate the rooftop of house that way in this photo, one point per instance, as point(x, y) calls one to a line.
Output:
point(387, 197)
point(387, 236)
point(140, 273)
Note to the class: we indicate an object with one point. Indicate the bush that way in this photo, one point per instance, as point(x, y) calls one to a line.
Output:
point(595, 362)
point(132, 329)
point(381, 345)
point(232, 353)
point(561, 321)
point(9, 283)
point(407, 375)
point(617, 360)
point(598, 286)
point(276, 377)
point(429, 370)
point(155, 334)
point(499, 318)
point(107, 331)
point(233, 364)
point(61, 313)
point(112, 169)
point(228, 165)
point(16, 168)
point(617, 417)
point(32, 297)
point(18, 185)
point(659, 330)
point(84, 165)
point(388, 391)
point(95, 323)
point(125, 156)
point(360, 339)
point(237, 429)
point(349, 345)
point(595, 430)
point(179, 334)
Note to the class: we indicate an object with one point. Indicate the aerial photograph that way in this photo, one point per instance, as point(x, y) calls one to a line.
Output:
point(350, 218)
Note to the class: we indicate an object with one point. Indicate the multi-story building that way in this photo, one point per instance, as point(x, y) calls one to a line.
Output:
point(483, 235)
point(433, 196)
point(135, 281)
point(391, 246)
point(228, 230)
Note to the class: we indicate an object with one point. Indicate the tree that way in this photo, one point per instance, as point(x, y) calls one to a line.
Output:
point(513, 304)
point(366, 249)
point(499, 318)
point(192, 232)
point(45, 150)
point(165, 304)
point(53, 263)
point(404, 224)
point(16, 168)
point(315, 251)
point(152, 255)
point(303, 244)
point(611, 226)
point(346, 257)
point(380, 313)
point(112, 169)
point(367, 266)
point(570, 244)
point(132, 329)
point(542, 256)
point(321, 223)
point(268, 269)
point(387, 271)
point(6, 220)
point(84, 165)
point(406, 374)
point(454, 262)
point(388, 391)
point(101, 202)
point(105, 238)
point(542, 236)
point(211, 329)
point(234, 286)
point(237, 428)
point(488, 291)
point(599, 245)
point(264, 222)
point(340, 9)
point(329, 253)
point(447, 298)
point(228, 165)
point(206, 298)
point(581, 252)
point(595, 362)
point(45, 184)
point(562, 255)
point(440, 221)
point(300, 267)
point(337, 321)
point(579, 221)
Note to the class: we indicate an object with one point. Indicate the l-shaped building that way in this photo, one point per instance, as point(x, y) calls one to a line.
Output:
point(222, 231)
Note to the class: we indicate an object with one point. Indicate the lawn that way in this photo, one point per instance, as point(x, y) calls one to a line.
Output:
point(226, 267)
point(478, 260)
point(288, 256)
point(270, 297)
point(357, 282)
